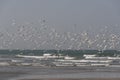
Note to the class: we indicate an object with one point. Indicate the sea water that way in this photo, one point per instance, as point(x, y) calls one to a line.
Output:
point(10, 71)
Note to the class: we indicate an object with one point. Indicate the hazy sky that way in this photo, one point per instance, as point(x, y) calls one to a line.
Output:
point(63, 15)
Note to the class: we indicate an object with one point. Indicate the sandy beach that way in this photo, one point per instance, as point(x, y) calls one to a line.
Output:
point(77, 79)
point(61, 73)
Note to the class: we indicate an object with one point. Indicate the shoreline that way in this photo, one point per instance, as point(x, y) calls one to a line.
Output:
point(74, 79)
point(60, 73)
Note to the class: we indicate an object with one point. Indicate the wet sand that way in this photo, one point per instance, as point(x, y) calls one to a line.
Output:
point(62, 73)
point(8, 75)
point(76, 79)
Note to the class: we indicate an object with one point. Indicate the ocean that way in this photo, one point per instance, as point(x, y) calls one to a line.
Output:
point(11, 68)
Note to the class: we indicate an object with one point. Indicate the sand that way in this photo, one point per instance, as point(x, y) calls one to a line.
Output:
point(76, 79)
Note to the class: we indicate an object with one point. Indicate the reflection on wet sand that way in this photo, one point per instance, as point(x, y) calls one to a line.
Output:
point(78, 79)
point(58, 73)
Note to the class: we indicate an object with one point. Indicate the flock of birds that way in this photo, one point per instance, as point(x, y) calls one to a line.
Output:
point(45, 37)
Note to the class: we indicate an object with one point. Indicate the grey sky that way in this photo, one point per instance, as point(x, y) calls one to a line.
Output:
point(63, 15)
